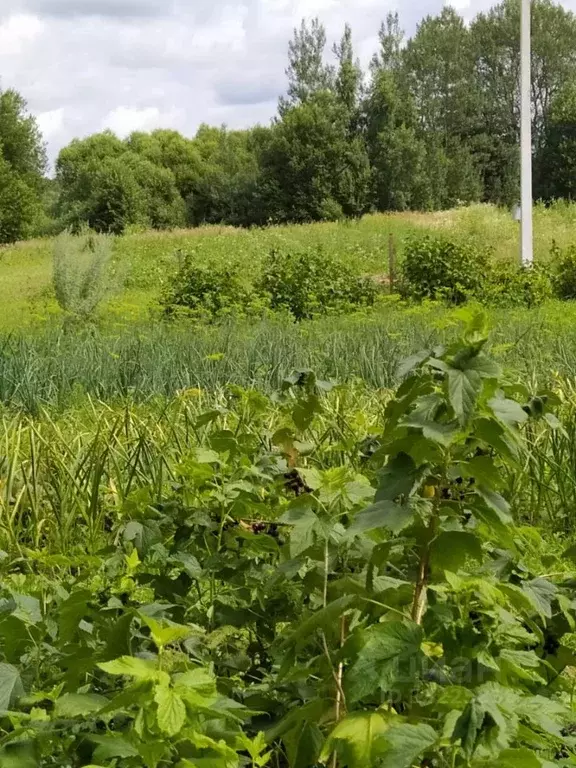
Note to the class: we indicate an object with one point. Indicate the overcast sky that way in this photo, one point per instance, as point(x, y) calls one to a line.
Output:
point(86, 65)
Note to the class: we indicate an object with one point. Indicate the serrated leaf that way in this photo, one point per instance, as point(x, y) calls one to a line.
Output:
point(402, 744)
point(410, 363)
point(541, 593)
point(508, 411)
point(79, 704)
point(130, 666)
point(111, 746)
point(143, 534)
point(463, 390)
point(11, 688)
point(382, 514)
point(391, 654)
point(496, 502)
point(455, 697)
point(171, 714)
point(27, 609)
point(397, 478)
point(164, 634)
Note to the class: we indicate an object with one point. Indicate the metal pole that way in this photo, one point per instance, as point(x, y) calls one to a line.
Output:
point(527, 248)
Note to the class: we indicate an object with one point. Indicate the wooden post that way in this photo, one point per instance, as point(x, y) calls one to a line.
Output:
point(391, 262)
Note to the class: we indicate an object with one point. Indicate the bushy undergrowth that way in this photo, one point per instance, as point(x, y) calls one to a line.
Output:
point(438, 268)
point(210, 292)
point(311, 282)
point(304, 284)
point(287, 582)
point(456, 272)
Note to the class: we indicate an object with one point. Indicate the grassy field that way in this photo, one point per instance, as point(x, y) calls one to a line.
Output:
point(270, 544)
point(143, 261)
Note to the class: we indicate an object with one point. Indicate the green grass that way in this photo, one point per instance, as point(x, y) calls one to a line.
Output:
point(54, 369)
point(144, 260)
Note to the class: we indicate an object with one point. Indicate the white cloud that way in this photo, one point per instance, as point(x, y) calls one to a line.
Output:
point(51, 123)
point(125, 120)
point(17, 33)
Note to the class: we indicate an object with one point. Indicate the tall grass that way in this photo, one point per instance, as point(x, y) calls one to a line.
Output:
point(55, 369)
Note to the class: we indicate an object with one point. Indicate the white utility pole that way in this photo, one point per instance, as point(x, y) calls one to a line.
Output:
point(527, 245)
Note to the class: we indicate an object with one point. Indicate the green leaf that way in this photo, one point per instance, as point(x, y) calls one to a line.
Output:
point(130, 666)
point(171, 714)
point(518, 758)
point(391, 654)
point(11, 688)
point(325, 618)
point(165, 634)
point(304, 524)
point(484, 365)
point(463, 390)
point(410, 363)
point(355, 739)
point(27, 609)
point(496, 502)
point(452, 549)
point(79, 704)
point(468, 726)
point(111, 746)
point(143, 534)
point(455, 697)
point(19, 756)
point(437, 432)
point(404, 743)
point(382, 514)
point(303, 745)
point(541, 594)
point(508, 411)
point(397, 478)
point(199, 680)
point(72, 611)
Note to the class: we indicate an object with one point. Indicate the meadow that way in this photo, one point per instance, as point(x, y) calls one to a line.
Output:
point(144, 260)
point(348, 541)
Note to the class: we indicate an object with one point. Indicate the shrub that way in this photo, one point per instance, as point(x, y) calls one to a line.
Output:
point(310, 282)
point(436, 268)
point(509, 284)
point(564, 272)
point(81, 273)
point(208, 292)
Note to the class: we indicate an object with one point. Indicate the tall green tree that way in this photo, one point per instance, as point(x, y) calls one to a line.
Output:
point(307, 72)
point(556, 158)
point(312, 168)
point(22, 166)
point(348, 80)
point(495, 37)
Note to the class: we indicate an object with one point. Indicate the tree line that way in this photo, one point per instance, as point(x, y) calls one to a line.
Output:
point(433, 122)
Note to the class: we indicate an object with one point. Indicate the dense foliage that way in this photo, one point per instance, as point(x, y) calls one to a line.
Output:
point(22, 164)
point(434, 123)
point(287, 583)
point(304, 284)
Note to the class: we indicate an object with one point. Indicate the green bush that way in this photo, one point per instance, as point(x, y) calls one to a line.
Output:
point(564, 271)
point(510, 284)
point(309, 283)
point(208, 292)
point(81, 273)
point(437, 268)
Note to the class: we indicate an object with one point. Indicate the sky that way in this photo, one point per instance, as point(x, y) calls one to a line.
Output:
point(87, 65)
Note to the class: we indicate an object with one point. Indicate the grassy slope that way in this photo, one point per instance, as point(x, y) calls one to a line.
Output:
point(144, 260)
